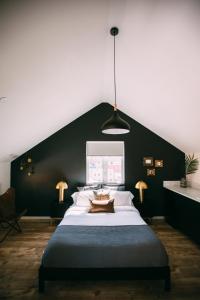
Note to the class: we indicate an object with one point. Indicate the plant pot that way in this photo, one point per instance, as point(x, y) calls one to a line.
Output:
point(183, 182)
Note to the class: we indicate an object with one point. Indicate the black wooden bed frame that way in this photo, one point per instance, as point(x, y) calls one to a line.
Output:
point(150, 273)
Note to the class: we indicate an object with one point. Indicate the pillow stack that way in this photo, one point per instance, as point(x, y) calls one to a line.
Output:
point(89, 187)
point(102, 203)
point(122, 198)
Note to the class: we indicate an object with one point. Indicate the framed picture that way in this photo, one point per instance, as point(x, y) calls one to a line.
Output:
point(151, 172)
point(158, 163)
point(148, 161)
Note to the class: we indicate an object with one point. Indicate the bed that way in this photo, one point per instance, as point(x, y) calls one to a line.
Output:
point(117, 245)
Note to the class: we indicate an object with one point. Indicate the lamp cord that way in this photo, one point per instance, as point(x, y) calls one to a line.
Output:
point(115, 88)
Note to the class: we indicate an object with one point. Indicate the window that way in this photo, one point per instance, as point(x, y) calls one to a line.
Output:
point(105, 162)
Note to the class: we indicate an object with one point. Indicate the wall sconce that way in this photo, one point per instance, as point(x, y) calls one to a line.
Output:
point(141, 185)
point(27, 165)
point(61, 186)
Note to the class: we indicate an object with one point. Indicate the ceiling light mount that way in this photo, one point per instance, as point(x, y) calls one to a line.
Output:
point(114, 31)
point(115, 124)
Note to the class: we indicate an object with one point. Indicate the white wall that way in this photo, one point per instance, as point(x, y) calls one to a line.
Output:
point(4, 176)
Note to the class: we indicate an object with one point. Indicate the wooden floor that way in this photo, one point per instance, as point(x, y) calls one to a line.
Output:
point(20, 256)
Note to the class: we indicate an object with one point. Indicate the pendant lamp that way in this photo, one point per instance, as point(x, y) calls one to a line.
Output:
point(115, 124)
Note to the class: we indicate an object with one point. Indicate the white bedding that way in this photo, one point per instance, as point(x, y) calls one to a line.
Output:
point(124, 215)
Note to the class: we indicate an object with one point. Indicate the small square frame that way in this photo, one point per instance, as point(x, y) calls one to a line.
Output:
point(151, 172)
point(148, 161)
point(158, 163)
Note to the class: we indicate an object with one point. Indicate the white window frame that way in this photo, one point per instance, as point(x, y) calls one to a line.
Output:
point(123, 161)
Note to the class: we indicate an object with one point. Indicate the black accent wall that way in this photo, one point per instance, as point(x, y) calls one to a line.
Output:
point(62, 156)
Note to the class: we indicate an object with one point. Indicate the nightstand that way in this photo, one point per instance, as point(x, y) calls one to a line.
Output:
point(145, 211)
point(57, 211)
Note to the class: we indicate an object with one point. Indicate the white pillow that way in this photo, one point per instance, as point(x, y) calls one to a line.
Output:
point(122, 198)
point(83, 198)
point(102, 202)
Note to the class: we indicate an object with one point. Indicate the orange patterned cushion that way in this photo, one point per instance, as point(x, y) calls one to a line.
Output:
point(101, 196)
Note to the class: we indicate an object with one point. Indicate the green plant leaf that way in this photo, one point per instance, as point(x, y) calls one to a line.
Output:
point(191, 164)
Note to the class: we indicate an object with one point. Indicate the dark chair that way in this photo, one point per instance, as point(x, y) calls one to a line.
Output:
point(9, 219)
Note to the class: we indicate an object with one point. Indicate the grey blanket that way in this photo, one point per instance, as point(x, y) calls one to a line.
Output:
point(104, 247)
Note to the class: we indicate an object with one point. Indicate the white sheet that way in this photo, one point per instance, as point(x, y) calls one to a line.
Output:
point(124, 215)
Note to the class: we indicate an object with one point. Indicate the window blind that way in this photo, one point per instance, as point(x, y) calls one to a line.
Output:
point(104, 148)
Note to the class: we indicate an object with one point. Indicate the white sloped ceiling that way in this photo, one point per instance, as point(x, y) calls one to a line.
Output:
point(56, 63)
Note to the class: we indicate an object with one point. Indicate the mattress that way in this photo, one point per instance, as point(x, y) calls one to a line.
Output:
point(124, 215)
point(119, 240)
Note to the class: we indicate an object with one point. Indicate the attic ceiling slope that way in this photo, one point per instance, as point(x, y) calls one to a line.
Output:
point(49, 72)
point(56, 63)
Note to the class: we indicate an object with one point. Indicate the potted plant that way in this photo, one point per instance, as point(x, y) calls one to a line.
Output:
point(191, 166)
